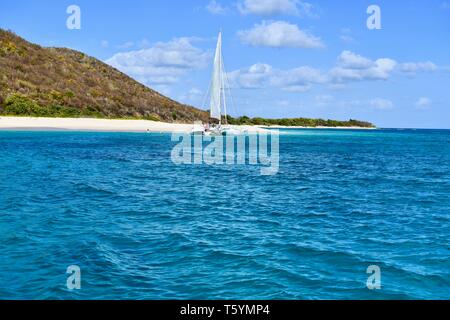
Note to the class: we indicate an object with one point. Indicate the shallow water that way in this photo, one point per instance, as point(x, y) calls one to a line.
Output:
point(141, 227)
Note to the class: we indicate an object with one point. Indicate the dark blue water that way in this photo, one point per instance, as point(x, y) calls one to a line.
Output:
point(141, 227)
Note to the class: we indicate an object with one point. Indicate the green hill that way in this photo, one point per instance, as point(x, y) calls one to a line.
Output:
point(62, 82)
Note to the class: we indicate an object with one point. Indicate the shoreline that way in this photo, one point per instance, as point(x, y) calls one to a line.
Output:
point(101, 125)
point(89, 124)
point(319, 127)
point(117, 125)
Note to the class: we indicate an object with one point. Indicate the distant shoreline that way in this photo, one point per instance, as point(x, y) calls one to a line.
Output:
point(117, 125)
point(319, 127)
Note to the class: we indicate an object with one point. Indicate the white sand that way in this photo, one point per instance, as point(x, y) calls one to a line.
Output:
point(107, 125)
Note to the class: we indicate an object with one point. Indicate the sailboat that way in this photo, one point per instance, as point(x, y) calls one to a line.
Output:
point(217, 96)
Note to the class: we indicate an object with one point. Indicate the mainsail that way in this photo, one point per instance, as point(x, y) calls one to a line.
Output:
point(217, 83)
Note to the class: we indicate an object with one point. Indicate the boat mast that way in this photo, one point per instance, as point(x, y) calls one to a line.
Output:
point(221, 95)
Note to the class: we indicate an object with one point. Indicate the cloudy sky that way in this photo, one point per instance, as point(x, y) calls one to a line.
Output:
point(285, 58)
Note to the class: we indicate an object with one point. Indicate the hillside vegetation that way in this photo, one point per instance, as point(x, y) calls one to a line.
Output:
point(61, 82)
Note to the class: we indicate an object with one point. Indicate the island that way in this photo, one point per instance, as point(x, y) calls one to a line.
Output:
point(62, 88)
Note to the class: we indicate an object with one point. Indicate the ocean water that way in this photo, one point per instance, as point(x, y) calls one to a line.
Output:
point(141, 227)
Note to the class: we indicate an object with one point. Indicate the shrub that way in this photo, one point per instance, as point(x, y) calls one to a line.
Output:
point(92, 112)
point(56, 95)
point(152, 117)
point(70, 94)
point(8, 47)
point(63, 112)
point(17, 104)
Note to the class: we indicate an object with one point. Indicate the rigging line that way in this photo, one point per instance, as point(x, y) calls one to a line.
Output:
point(206, 96)
point(223, 73)
point(229, 89)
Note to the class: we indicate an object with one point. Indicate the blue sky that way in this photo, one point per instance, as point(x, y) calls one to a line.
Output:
point(285, 58)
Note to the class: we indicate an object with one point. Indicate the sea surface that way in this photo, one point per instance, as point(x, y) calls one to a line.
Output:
point(141, 227)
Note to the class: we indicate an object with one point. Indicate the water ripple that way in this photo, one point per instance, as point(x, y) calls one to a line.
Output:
point(141, 227)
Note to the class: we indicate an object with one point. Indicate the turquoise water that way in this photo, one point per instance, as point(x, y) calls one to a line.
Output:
point(140, 227)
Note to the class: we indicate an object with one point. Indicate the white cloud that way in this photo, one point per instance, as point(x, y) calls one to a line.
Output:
point(214, 7)
point(274, 7)
point(423, 103)
point(162, 64)
point(254, 77)
point(349, 67)
point(104, 43)
point(195, 92)
point(263, 75)
point(353, 67)
point(193, 96)
point(279, 34)
point(346, 36)
point(144, 43)
point(414, 67)
point(350, 60)
point(381, 104)
point(297, 79)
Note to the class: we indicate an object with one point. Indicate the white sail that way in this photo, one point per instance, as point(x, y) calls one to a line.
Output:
point(217, 83)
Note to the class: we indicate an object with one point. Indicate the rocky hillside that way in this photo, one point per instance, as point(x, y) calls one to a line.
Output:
point(42, 81)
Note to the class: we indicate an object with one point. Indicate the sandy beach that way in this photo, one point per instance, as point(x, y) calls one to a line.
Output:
point(110, 125)
point(102, 125)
